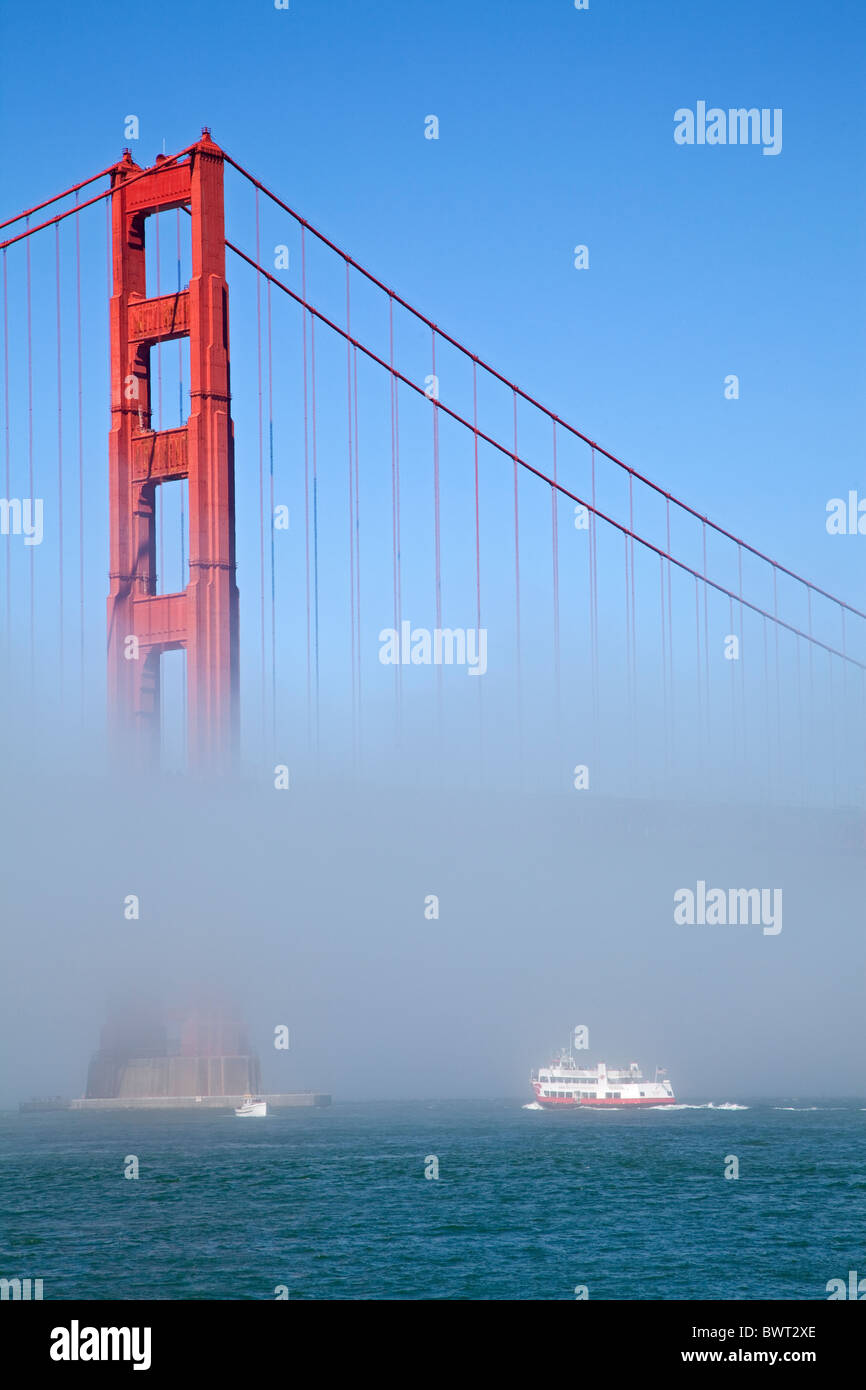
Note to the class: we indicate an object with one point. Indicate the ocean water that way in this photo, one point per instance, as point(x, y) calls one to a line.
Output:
point(334, 1204)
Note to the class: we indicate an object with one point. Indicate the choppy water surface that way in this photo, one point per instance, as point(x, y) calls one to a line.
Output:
point(527, 1204)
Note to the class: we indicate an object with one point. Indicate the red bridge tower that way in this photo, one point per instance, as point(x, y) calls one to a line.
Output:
point(203, 618)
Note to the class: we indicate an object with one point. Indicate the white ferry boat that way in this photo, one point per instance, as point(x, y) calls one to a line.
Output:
point(564, 1085)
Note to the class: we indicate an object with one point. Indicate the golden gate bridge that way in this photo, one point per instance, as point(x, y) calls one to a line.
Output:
point(296, 491)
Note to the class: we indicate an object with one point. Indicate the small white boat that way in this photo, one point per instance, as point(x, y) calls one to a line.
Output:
point(253, 1105)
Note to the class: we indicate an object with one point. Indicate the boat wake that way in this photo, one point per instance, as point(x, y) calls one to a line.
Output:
point(533, 1105)
point(708, 1105)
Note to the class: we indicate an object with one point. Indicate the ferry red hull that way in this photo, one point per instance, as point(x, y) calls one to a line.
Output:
point(557, 1104)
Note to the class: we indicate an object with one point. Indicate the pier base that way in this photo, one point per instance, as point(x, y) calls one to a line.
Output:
point(277, 1102)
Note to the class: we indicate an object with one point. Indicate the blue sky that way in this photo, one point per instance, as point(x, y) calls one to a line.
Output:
point(556, 128)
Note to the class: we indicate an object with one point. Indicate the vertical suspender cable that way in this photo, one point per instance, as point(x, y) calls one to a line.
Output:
point(811, 719)
point(7, 449)
point(394, 509)
point(30, 474)
point(477, 560)
point(733, 666)
point(767, 711)
point(517, 632)
point(665, 720)
point(632, 636)
point(271, 526)
point(832, 723)
point(306, 485)
point(778, 673)
point(315, 522)
point(629, 672)
point(437, 531)
point(801, 780)
point(593, 619)
point(357, 542)
point(80, 462)
point(351, 514)
point(742, 661)
point(845, 715)
point(706, 631)
point(700, 719)
point(557, 673)
point(261, 476)
point(398, 559)
point(59, 460)
point(671, 683)
point(437, 534)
